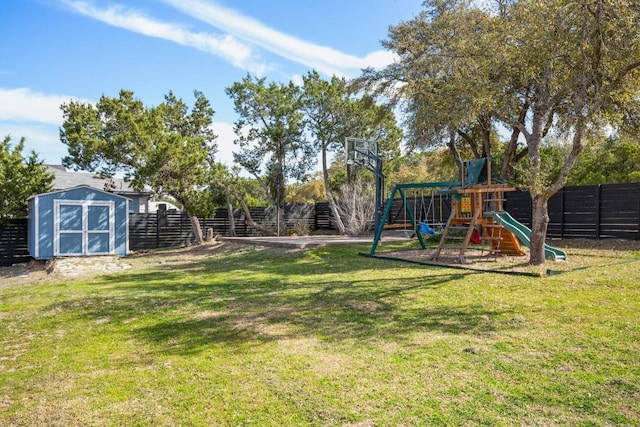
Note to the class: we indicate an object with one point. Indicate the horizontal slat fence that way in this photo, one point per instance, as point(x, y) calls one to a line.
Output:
point(608, 211)
point(167, 229)
point(596, 211)
point(14, 241)
point(619, 215)
point(432, 210)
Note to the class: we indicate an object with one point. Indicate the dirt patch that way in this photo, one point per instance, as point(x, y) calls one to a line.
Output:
point(23, 273)
point(87, 266)
point(581, 253)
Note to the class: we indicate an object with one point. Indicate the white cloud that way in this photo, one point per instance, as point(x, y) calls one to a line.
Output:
point(226, 46)
point(23, 104)
point(322, 58)
point(241, 54)
point(380, 58)
point(225, 139)
point(42, 138)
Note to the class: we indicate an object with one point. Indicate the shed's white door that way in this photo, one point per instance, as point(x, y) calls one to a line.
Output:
point(84, 228)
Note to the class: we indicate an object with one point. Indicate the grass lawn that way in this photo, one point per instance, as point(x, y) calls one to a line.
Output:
point(229, 334)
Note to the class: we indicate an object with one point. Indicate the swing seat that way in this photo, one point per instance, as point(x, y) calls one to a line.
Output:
point(425, 229)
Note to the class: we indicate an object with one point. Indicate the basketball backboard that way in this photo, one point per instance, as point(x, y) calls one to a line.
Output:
point(361, 152)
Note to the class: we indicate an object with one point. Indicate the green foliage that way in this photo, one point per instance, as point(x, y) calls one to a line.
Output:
point(443, 53)
point(437, 165)
point(616, 160)
point(165, 147)
point(21, 178)
point(311, 190)
point(283, 128)
point(333, 113)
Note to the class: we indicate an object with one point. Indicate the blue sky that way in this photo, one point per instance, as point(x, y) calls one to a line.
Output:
point(52, 51)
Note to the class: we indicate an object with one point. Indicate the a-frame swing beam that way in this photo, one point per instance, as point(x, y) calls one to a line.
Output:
point(400, 188)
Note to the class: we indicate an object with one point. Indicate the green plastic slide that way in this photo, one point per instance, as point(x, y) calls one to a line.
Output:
point(523, 233)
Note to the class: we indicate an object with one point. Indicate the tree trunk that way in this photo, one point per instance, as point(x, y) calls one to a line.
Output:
point(337, 220)
point(511, 155)
point(232, 221)
point(485, 126)
point(197, 230)
point(247, 215)
point(539, 224)
point(454, 151)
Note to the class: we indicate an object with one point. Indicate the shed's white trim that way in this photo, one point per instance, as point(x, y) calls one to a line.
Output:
point(84, 204)
point(126, 248)
point(77, 187)
point(36, 227)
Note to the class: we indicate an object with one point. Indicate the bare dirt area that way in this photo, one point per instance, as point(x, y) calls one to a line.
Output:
point(581, 253)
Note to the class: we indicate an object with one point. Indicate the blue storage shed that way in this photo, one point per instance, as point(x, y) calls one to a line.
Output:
point(78, 221)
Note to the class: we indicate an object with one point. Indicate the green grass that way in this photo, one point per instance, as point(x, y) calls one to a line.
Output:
point(268, 337)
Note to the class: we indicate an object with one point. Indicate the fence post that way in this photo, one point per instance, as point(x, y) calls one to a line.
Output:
point(598, 198)
point(530, 210)
point(188, 240)
point(157, 213)
point(562, 209)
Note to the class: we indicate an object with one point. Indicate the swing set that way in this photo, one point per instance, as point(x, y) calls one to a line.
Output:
point(419, 225)
point(428, 212)
point(476, 211)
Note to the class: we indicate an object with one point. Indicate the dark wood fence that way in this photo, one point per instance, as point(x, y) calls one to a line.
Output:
point(434, 209)
point(165, 229)
point(596, 211)
point(13, 242)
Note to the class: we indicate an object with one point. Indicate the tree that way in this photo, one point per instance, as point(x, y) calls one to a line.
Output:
point(21, 177)
point(311, 190)
point(270, 131)
point(577, 72)
point(332, 114)
point(556, 67)
point(164, 147)
point(230, 184)
point(614, 160)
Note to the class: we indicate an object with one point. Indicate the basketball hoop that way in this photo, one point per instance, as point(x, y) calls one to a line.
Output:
point(361, 152)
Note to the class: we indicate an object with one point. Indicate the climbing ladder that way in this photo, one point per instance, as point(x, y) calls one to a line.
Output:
point(501, 240)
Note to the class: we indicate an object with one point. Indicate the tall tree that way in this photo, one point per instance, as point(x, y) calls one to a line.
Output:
point(21, 177)
point(578, 72)
point(332, 114)
point(563, 67)
point(270, 135)
point(164, 147)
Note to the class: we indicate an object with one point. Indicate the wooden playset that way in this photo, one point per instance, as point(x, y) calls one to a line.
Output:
point(474, 207)
point(477, 215)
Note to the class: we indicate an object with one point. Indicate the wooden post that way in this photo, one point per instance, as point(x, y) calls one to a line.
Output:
point(157, 229)
point(598, 196)
point(561, 213)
